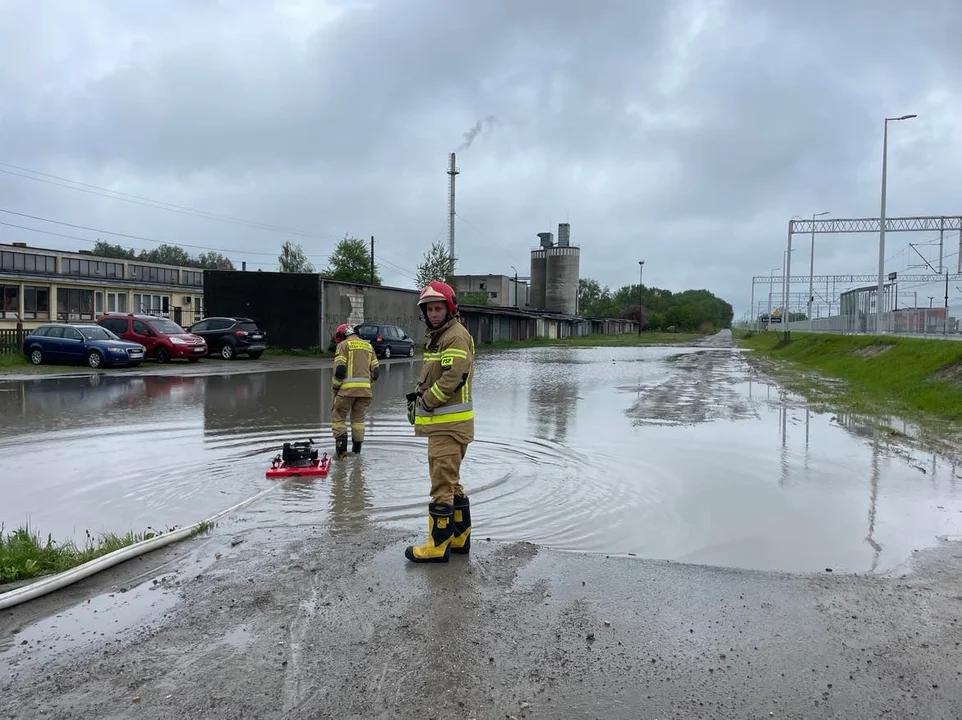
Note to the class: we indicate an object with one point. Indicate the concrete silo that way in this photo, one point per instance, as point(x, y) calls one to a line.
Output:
point(563, 272)
point(536, 295)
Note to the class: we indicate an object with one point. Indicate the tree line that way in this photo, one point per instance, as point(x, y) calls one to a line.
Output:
point(655, 308)
point(350, 261)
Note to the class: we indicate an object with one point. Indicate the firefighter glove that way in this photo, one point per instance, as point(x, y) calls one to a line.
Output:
point(411, 398)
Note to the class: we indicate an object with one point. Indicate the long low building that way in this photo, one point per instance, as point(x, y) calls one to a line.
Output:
point(39, 285)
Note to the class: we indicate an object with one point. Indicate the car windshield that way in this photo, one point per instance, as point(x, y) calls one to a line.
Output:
point(168, 327)
point(97, 333)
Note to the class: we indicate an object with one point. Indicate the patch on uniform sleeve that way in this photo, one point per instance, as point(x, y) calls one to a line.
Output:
point(447, 361)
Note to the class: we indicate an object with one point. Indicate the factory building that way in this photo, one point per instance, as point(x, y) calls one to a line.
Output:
point(555, 273)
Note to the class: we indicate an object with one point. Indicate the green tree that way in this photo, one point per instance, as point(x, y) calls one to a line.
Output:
point(474, 298)
point(109, 250)
point(589, 292)
point(436, 265)
point(214, 261)
point(167, 255)
point(293, 260)
point(351, 262)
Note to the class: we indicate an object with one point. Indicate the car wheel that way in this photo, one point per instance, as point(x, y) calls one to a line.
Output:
point(162, 355)
point(256, 354)
point(411, 351)
point(36, 356)
point(387, 351)
point(94, 359)
point(227, 352)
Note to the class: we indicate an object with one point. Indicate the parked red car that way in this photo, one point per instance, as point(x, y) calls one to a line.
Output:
point(164, 339)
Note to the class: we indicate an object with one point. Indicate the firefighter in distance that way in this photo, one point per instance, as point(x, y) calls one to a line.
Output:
point(355, 370)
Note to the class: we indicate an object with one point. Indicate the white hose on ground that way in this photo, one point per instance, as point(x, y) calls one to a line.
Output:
point(68, 577)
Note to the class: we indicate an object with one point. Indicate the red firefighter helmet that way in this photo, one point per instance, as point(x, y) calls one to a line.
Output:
point(436, 291)
point(343, 330)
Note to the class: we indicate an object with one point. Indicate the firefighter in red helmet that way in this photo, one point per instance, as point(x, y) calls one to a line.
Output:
point(440, 409)
point(355, 369)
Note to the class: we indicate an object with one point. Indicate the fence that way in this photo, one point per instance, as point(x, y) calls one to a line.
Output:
point(911, 322)
point(11, 341)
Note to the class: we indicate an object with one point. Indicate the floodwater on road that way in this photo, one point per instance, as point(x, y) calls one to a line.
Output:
point(678, 453)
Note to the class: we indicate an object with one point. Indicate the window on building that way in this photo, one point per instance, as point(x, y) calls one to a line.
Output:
point(27, 262)
point(36, 303)
point(117, 302)
point(193, 278)
point(75, 304)
point(152, 304)
point(92, 268)
point(148, 273)
point(9, 301)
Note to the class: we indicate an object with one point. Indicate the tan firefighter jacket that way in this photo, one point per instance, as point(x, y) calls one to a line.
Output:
point(444, 386)
point(355, 368)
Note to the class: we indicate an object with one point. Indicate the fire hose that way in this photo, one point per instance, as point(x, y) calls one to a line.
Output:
point(68, 577)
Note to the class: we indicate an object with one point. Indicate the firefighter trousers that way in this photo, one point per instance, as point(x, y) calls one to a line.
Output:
point(444, 464)
point(351, 409)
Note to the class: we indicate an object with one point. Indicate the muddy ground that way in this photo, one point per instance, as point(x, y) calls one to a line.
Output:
point(332, 622)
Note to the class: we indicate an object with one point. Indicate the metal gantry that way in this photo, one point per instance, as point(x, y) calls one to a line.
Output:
point(916, 223)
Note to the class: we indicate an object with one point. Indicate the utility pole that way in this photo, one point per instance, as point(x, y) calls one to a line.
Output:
point(754, 314)
point(641, 270)
point(372, 259)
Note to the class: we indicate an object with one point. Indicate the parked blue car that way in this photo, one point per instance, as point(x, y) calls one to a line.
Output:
point(91, 344)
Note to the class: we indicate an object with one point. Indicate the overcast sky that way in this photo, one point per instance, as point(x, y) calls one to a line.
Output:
point(683, 133)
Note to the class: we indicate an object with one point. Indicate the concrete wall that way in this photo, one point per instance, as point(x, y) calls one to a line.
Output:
point(355, 303)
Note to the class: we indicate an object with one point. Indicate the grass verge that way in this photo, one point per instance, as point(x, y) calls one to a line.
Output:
point(12, 360)
point(914, 378)
point(24, 554)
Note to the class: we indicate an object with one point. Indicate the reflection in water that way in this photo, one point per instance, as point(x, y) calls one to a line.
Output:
point(350, 502)
point(552, 393)
point(704, 479)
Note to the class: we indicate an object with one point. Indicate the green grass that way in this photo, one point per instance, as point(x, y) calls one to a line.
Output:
point(24, 554)
point(597, 340)
point(12, 360)
point(914, 378)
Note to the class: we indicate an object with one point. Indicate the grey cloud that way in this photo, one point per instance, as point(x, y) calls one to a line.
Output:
point(690, 149)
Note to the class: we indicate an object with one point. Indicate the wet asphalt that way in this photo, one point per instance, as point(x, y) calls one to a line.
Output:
point(659, 532)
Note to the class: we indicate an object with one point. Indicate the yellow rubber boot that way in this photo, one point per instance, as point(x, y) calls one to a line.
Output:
point(461, 535)
point(440, 529)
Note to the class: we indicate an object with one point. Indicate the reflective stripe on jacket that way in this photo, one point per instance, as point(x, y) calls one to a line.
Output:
point(445, 384)
point(355, 367)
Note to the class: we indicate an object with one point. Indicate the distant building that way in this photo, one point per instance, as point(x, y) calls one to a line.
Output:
point(501, 290)
point(39, 285)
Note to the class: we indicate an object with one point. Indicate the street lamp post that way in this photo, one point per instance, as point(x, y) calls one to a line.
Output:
point(641, 271)
point(811, 271)
point(881, 234)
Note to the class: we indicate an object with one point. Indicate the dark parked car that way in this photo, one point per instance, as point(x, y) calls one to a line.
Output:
point(230, 336)
point(387, 340)
point(90, 344)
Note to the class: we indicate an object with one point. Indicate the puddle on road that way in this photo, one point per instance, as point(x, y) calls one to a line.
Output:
point(669, 453)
